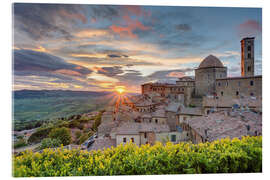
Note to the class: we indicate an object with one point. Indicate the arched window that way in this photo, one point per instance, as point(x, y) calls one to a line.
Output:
point(251, 83)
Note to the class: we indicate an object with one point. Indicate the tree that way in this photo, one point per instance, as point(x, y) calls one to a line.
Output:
point(63, 134)
point(50, 143)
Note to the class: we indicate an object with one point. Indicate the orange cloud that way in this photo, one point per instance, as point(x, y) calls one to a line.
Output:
point(88, 33)
point(249, 28)
point(136, 10)
point(131, 26)
point(96, 69)
point(68, 72)
point(176, 74)
point(89, 55)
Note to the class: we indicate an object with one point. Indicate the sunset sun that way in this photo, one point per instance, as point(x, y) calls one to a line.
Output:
point(120, 89)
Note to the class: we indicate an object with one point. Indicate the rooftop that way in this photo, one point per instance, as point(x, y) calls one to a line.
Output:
point(224, 124)
point(211, 61)
point(136, 128)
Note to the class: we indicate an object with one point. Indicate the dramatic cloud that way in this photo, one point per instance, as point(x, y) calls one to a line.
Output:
point(171, 74)
point(41, 21)
point(250, 28)
point(98, 47)
point(27, 61)
point(110, 71)
point(183, 27)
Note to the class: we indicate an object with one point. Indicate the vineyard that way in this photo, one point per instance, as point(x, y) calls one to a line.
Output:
point(221, 156)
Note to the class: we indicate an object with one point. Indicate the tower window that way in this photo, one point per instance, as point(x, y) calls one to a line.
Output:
point(237, 93)
point(251, 83)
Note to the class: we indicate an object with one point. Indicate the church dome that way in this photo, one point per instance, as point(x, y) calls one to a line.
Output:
point(211, 61)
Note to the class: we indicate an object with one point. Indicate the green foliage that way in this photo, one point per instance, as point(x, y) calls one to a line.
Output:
point(40, 134)
point(83, 138)
point(63, 134)
point(78, 134)
point(97, 122)
point(50, 143)
point(221, 156)
point(20, 143)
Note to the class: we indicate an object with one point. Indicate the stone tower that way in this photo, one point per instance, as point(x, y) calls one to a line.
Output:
point(210, 69)
point(247, 56)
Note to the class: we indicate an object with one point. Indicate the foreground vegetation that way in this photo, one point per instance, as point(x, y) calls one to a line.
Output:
point(221, 156)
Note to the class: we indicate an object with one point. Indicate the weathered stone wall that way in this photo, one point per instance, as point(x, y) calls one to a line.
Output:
point(247, 57)
point(205, 79)
point(231, 88)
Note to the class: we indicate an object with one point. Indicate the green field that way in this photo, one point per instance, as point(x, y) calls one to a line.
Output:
point(36, 107)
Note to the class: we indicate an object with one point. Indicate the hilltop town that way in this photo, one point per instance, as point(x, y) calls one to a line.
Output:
point(203, 108)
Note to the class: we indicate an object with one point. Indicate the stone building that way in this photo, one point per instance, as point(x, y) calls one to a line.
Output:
point(211, 80)
point(210, 69)
point(223, 124)
point(237, 87)
point(247, 56)
point(179, 92)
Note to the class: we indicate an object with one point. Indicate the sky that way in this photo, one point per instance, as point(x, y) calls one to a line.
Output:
point(101, 47)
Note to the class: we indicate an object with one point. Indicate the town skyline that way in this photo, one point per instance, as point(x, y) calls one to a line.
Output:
point(99, 48)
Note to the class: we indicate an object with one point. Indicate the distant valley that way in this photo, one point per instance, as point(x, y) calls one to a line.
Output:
point(39, 105)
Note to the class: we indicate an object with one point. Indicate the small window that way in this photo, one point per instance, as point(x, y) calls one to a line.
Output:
point(173, 137)
point(249, 48)
point(249, 55)
point(219, 84)
point(132, 140)
point(221, 93)
point(252, 94)
point(124, 139)
point(251, 83)
point(156, 121)
point(150, 120)
point(248, 69)
point(237, 93)
point(145, 135)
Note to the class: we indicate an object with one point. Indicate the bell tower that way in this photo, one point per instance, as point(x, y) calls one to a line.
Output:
point(247, 56)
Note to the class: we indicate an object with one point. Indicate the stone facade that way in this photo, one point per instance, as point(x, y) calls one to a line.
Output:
point(247, 57)
point(237, 87)
point(180, 92)
point(209, 70)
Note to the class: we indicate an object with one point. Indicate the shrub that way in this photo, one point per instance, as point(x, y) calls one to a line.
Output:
point(50, 143)
point(221, 156)
point(63, 134)
point(20, 143)
point(78, 134)
point(40, 134)
point(97, 122)
point(83, 138)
